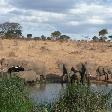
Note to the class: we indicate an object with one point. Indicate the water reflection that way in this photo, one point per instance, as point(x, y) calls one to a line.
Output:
point(50, 92)
point(102, 88)
point(46, 92)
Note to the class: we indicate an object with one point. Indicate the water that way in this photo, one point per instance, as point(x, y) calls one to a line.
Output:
point(46, 92)
point(49, 93)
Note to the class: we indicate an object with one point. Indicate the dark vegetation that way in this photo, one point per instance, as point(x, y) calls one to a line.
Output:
point(13, 96)
point(80, 98)
point(14, 30)
point(75, 98)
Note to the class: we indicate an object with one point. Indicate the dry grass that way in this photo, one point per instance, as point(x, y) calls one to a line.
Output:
point(52, 53)
point(11, 54)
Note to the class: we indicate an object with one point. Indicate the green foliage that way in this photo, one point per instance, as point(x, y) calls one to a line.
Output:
point(10, 30)
point(13, 97)
point(29, 36)
point(110, 37)
point(43, 37)
point(81, 99)
point(102, 34)
point(95, 38)
point(64, 37)
point(103, 39)
point(56, 34)
point(48, 38)
point(37, 38)
point(76, 98)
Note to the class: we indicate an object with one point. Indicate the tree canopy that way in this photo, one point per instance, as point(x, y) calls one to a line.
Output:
point(10, 30)
point(103, 32)
point(64, 37)
point(110, 37)
point(56, 34)
point(95, 38)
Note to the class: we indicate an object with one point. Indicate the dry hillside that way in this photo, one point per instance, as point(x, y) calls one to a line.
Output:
point(54, 53)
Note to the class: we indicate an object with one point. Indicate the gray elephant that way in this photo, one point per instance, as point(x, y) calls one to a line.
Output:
point(104, 71)
point(75, 76)
point(80, 73)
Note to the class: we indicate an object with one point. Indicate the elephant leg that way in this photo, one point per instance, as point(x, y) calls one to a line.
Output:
point(105, 77)
point(88, 80)
point(71, 80)
point(63, 79)
point(99, 77)
point(82, 81)
point(111, 76)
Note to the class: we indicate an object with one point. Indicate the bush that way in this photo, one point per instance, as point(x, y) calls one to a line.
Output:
point(76, 98)
point(82, 99)
point(13, 97)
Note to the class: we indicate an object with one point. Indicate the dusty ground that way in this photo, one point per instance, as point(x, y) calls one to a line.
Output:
point(54, 53)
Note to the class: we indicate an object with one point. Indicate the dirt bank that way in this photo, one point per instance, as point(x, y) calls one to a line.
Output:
point(53, 53)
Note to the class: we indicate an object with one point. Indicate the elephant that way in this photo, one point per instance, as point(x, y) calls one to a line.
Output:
point(84, 71)
point(65, 74)
point(80, 73)
point(75, 77)
point(104, 71)
point(30, 77)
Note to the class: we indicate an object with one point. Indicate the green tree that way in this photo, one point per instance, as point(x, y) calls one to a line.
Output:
point(48, 38)
point(29, 36)
point(64, 37)
point(95, 38)
point(10, 30)
point(56, 35)
point(103, 39)
point(110, 37)
point(103, 33)
point(43, 37)
point(37, 38)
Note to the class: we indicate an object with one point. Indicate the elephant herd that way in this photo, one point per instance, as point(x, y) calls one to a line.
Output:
point(79, 74)
point(82, 74)
point(76, 75)
point(104, 71)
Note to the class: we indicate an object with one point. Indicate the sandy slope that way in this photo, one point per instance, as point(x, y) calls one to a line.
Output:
point(54, 53)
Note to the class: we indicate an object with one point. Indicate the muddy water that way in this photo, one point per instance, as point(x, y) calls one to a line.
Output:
point(49, 93)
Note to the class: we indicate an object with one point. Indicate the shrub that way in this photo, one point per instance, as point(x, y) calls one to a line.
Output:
point(82, 99)
point(13, 97)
